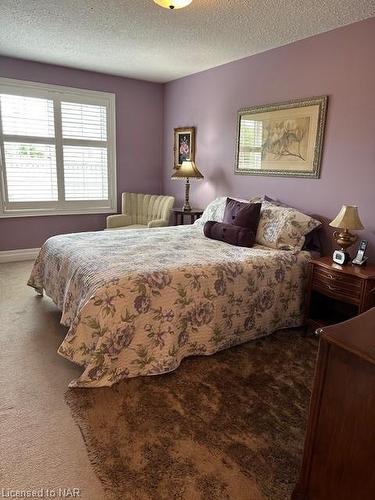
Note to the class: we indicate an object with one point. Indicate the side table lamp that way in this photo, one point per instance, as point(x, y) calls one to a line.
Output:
point(188, 170)
point(346, 219)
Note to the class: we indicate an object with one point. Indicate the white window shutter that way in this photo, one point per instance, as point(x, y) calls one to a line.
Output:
point(57, 150)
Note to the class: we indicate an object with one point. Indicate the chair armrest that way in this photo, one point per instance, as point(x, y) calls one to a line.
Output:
point(118, 220)
point(158, 223)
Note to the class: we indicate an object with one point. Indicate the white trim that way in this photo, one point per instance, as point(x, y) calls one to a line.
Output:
point(47, 212)
point(40, 89)
point(57, 94)
point(18, 255)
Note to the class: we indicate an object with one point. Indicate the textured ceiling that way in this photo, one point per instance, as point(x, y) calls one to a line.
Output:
point(139, 39)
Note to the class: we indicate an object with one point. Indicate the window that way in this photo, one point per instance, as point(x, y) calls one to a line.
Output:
point(57, 150)
point(250, 150)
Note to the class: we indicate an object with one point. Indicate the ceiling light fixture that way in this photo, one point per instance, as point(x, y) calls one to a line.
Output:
point(173, 4)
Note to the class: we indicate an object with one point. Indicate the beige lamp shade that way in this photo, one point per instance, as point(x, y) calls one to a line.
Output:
point(347, 218)
point(173, 4)
point(188, 169)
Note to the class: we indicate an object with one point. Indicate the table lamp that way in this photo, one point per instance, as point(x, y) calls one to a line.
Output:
point(346, 219)
point(188, 170)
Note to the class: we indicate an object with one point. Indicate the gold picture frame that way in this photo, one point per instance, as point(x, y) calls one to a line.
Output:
point(284, 139)
point(184, 145)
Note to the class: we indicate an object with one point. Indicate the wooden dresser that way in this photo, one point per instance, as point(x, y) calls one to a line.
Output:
point(339, 453)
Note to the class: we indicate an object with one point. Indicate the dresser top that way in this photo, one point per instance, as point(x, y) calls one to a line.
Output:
point(356, 335)
point(366, 271)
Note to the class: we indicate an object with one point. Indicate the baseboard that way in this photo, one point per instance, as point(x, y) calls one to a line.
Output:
point(18, 255)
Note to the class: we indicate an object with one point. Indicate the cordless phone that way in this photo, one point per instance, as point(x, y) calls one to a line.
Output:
point(360, 258)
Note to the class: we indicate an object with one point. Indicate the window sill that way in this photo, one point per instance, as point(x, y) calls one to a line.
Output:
point(49, 213)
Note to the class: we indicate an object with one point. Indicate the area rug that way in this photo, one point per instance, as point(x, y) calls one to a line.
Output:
point(228, 426)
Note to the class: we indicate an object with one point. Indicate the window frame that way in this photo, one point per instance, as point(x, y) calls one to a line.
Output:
point(57, 94)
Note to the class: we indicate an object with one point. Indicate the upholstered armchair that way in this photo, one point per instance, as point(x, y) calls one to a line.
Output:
point(142, 211)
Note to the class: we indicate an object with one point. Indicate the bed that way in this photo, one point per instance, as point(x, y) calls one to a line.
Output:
point(136, 302)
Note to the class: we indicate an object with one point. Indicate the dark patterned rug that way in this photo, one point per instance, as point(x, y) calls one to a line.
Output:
point(228, 426)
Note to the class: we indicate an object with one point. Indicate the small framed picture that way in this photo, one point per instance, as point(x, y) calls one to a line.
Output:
point(184, 145)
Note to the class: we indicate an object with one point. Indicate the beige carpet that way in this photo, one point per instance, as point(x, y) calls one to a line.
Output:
point(153, 437)
point(230, 426)
point(41, 446)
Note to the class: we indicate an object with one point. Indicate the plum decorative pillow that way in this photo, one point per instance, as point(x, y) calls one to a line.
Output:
point(214, 211)
point(283, 228)
point(242, 214)
point(234, 235)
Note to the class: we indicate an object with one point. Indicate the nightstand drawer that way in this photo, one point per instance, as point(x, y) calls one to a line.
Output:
point(337, 279)
point(337, 285)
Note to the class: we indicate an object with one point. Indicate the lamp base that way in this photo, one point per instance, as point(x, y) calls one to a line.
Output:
point(345, 239)
point(187, 207)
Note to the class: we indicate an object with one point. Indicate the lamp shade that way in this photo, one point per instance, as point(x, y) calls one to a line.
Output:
point(173, 4)
point(347, 218)
point(188, 169)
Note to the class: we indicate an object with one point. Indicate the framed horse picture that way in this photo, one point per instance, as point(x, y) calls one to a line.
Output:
point(184, 145)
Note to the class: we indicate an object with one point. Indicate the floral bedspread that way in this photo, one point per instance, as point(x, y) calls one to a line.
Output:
point(139, 301)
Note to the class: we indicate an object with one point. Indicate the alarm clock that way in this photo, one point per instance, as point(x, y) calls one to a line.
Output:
point(340, 257)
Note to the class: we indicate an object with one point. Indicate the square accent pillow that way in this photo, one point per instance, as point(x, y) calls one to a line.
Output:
point(313, 241)
point(283, 228)
point(242, 214)
point(214, 211)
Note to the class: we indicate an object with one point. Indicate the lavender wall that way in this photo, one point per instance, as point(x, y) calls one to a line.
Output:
point(339, 64)
point(139, 114)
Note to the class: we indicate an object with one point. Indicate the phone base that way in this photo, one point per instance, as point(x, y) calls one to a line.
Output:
point(362, 262)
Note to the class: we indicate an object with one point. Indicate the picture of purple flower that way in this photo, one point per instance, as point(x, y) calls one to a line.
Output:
point(183, 338)
point(158, 280)
point(280, 275)
point(116, 343)
point(202, 314)
point(220, 286)
point(142, 304)
point(266, 299)
point(232, 269)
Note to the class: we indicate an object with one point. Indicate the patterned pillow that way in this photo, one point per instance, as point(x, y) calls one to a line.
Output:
point(283, 228)
point(313, 239)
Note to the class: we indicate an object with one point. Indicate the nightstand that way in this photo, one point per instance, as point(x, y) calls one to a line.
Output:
point(179, 213)
point(337, 293)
